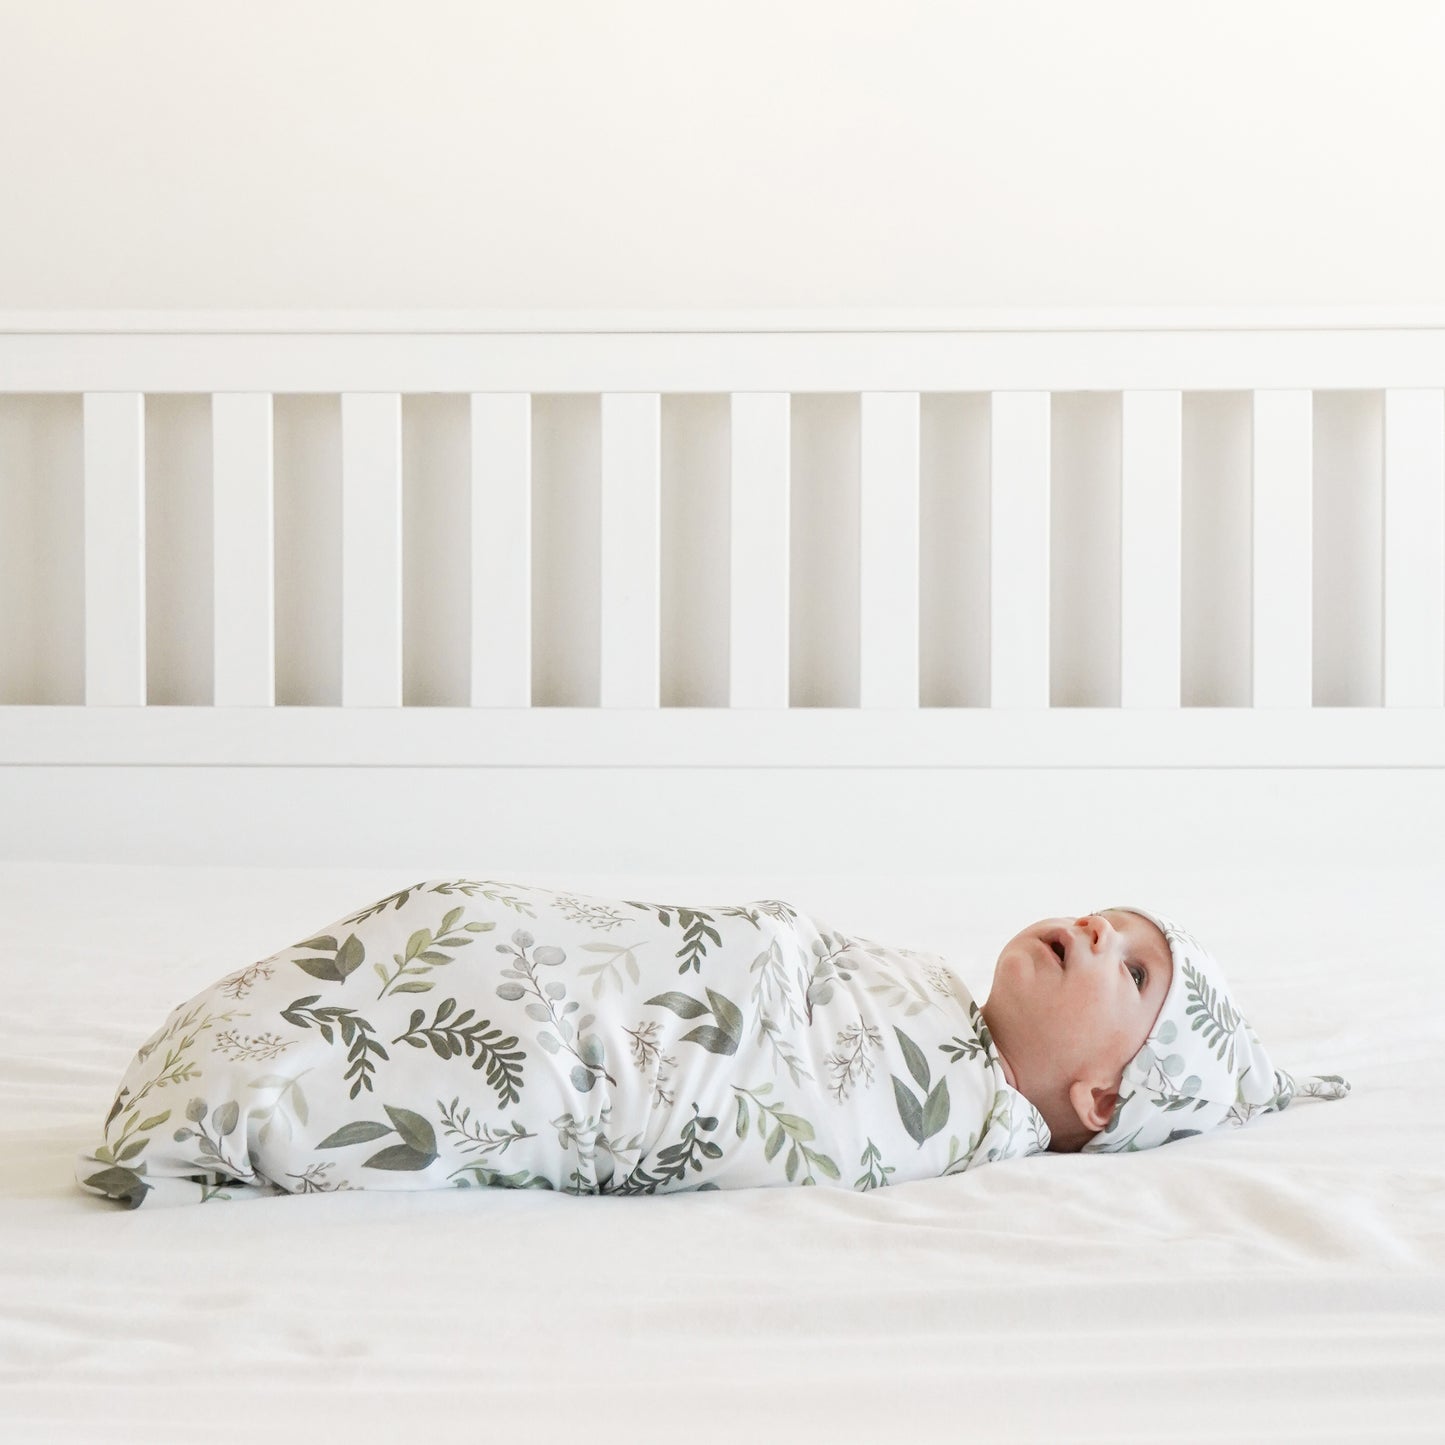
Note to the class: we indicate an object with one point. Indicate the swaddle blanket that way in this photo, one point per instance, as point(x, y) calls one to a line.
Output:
point(477, 1032)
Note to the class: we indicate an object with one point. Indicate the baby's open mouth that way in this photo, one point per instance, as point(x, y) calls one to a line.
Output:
point(1058, 948)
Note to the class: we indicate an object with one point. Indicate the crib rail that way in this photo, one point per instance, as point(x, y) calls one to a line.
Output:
point(1002, 385)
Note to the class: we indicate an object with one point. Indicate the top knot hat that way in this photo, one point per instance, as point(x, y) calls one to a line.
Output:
point(1202, 1065)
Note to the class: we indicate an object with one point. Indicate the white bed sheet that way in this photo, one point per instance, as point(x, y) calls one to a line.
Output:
point(1281, 1282)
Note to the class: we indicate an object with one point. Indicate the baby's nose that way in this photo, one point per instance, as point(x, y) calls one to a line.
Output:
point(1094, 925)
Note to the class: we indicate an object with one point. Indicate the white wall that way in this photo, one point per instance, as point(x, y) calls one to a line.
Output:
point(748, 154)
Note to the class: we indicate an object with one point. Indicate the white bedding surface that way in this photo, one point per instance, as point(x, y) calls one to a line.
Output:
point(1281, 1282)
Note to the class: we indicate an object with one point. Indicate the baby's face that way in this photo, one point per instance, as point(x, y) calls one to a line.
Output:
point(1073, 1000)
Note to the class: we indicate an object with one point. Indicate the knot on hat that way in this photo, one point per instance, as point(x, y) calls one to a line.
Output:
point(1202, 1065)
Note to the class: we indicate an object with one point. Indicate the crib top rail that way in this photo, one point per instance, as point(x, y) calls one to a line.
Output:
point(408, 352)
point(989, 539)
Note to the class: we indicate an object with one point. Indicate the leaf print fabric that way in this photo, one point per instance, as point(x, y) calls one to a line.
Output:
point(464, 1033)
point(1202, 1065)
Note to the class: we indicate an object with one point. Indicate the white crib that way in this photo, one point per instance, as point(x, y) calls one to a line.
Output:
point(934, 625)
point(247, 555)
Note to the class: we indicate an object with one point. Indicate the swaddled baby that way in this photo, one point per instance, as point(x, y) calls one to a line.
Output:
point(477, 1032)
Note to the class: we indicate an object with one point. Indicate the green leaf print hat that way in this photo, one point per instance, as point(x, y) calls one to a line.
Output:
point(1202, 1064)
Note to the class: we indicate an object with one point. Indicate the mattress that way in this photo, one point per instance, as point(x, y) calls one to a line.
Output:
point(1281, 1282)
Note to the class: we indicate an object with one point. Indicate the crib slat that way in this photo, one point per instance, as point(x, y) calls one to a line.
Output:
point(1150, 549)
point(244, 552)
point(1019, 549)
point(370, 549)
point(1283, 548)
point(115, 611)
point(501, 522)
point(759, 568)
point(888, 550)
point(1414, 549)
point(630, 602)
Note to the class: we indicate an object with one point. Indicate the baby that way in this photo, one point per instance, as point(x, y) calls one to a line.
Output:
point(1128, 1038)
point(469, 1032)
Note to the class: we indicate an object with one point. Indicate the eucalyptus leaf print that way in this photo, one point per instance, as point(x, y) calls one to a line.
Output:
point(602, 1076)
point(211, 1137)
point(1158, 1075)
point(561, 1037)
point(833, 964)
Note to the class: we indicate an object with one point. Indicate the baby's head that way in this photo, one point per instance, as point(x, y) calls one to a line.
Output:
point(1118, 1027)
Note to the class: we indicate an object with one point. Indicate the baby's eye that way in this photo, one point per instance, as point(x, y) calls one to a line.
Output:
point(1139, 976)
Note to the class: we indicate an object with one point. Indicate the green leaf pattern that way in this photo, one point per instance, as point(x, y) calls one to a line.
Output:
point(602, 1046)
point(1202, 1064)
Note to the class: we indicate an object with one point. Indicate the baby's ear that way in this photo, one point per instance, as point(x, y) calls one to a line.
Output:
point(1093, 1103)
